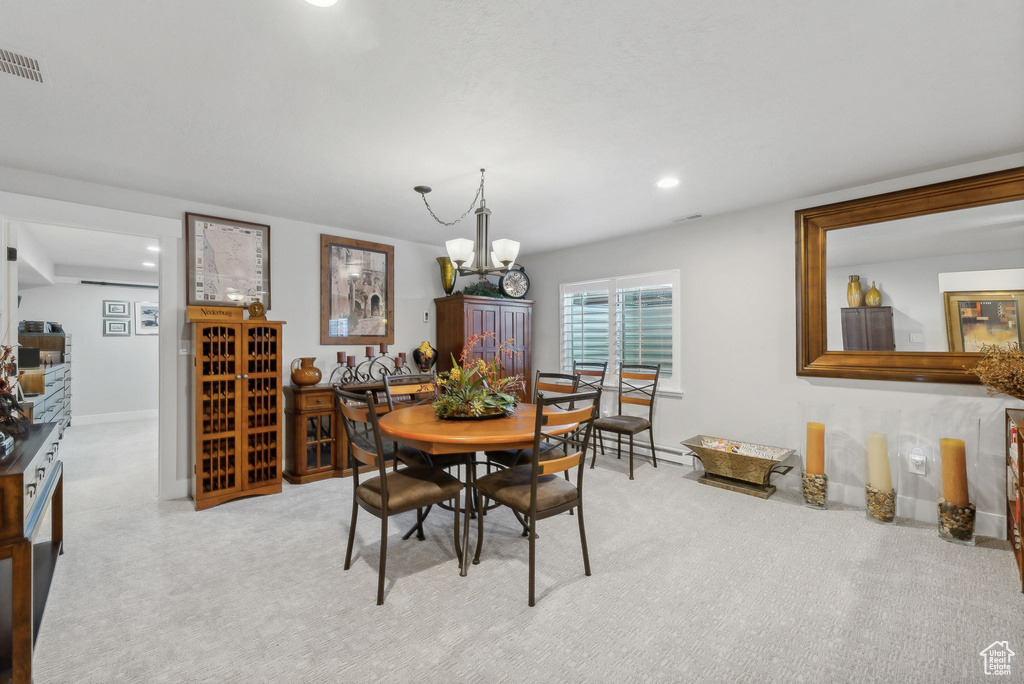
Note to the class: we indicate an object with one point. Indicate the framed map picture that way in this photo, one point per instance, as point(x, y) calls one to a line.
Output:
point(228, 261)
point(975, 320)
point(357, 291)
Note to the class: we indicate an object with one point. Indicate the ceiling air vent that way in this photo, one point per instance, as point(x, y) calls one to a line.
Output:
point(683, 219)
point(21, 65)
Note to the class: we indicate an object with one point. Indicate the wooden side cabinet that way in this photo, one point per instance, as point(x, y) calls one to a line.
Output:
point(237, 407)
point(461, 316)
point(317, 447)
point(868, 328)
point(311, 451)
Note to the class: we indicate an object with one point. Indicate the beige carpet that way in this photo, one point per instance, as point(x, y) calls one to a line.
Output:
point(690, 583)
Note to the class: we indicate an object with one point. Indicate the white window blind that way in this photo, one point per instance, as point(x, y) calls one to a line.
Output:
point(629, 319)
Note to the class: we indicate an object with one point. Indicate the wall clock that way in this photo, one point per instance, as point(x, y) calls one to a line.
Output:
point(515, 283)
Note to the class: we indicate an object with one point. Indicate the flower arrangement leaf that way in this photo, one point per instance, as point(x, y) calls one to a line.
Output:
point(1001, 370)
point(475, 388)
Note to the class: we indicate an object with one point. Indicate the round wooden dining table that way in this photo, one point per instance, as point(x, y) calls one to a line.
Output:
point(418, 427)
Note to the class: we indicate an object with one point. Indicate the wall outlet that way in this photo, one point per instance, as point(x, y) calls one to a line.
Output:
point(917, 462)
point(916, 337)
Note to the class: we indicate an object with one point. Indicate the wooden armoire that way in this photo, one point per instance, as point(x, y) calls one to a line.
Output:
point(237, 409)
point(461, 316)
point(867, 328)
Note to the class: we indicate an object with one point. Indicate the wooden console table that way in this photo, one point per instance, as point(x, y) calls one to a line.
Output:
point(31, 479)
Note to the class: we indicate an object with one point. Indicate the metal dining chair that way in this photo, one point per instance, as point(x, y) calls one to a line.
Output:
point(638, 385)
point(534, 490)
point(391, 491)
point(403, 391)
point(550, 383)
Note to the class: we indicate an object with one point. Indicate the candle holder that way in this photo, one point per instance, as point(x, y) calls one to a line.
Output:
point(370, 369)
point(955, 456)
point(815, 428)
point(880, 435)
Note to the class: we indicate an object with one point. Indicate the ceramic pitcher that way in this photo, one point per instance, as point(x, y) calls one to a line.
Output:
point(304, 373)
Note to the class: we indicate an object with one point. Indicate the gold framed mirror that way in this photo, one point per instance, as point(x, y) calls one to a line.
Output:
point(927, 231)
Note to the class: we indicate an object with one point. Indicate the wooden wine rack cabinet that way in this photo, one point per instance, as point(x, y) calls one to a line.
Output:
point(237, 410)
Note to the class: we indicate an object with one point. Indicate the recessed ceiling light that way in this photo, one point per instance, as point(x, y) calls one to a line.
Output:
point(153, 248)
point(667, 183)
point(322, 3)
point(150, 264)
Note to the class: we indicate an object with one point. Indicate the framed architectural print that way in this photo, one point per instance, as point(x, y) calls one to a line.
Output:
point(228, 261)
point(357, 291)
point(975, 320)
point(116, 309)
point(147, 318)
point(117, 327)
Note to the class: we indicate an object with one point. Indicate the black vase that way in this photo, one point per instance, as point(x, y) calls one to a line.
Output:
point(422, 362)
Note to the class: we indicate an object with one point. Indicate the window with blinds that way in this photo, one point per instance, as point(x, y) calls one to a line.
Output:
point(630, 319)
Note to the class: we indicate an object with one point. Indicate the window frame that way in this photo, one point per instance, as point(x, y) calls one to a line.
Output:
point(666, 384)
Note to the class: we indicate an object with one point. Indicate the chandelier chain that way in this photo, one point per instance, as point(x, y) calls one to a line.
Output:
point(479, 192)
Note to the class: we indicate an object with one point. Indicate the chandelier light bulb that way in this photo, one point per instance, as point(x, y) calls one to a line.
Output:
point(460, 250)
point(505, 252)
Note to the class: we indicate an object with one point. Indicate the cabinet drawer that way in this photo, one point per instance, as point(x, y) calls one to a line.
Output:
point(315, 402)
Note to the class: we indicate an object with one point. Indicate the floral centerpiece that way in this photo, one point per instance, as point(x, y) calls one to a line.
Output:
point(1001, 370)
point(475, 388)
point(11, 418)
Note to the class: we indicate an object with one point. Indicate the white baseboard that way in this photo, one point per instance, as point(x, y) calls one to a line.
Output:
point(114, 417)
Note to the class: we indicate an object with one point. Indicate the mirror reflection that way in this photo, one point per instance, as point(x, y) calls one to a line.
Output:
point(952, 281)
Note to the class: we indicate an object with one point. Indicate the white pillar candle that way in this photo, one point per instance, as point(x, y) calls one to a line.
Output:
point(879, 475)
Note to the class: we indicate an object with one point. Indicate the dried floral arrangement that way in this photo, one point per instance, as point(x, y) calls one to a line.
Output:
point(11, 417)
point(1001, 370)
point(475, 388)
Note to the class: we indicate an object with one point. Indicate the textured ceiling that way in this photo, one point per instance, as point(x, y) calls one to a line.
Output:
point(575, 107)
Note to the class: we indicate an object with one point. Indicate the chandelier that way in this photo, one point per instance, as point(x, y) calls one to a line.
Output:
point(472, 258)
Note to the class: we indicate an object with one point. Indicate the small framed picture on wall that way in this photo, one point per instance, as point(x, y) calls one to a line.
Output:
point(147, 318)
point(113, 308)
point(116, 327)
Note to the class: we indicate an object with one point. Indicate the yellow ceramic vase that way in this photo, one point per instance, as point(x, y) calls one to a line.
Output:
point(854, 297)
point(873, 296)
point(448, 274)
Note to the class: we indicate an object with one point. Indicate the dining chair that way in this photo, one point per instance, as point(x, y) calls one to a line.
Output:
point(403, 391)
point(533, 490)
point(591, 375)
point(392, 491)
point(638, 385)
point(550, 383)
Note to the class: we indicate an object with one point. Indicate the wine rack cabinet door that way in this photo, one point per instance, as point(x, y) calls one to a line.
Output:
point(319, 443)
point(261, 375)
point(218, 419)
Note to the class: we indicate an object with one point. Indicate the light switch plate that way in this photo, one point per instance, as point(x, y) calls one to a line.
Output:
point(426, 316)
point(184, 348)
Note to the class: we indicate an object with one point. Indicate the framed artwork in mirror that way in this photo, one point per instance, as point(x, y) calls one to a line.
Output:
point(976, 320)
point(915, 218)
point(357, 291)
point(147, 318)
point(228, 261)
point(116, 309)
point(117, 327)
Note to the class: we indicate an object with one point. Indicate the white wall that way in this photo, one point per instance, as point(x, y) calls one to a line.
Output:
point(295, 267)
point(911, 287)
point(110, 375)
point(738, 368)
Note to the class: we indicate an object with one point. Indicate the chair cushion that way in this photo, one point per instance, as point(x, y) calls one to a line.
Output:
point(511, 487)
point(409, 488)
point(627, 425)
point(521, 456)
point(415, 457)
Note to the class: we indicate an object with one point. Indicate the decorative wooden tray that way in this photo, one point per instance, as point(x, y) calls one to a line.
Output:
point(739, 466)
